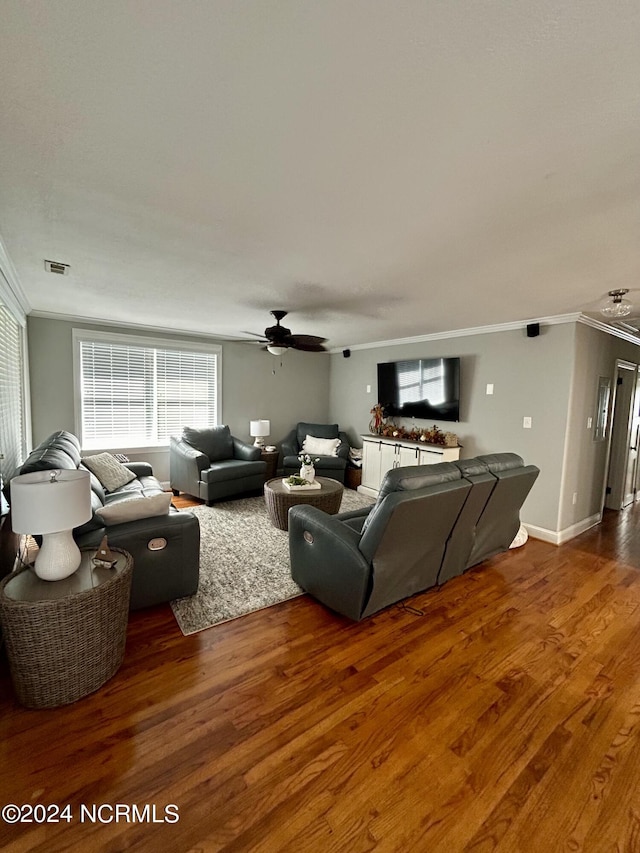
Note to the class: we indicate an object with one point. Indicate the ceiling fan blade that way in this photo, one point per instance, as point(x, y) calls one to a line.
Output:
point(307, 340)
point(305, 347)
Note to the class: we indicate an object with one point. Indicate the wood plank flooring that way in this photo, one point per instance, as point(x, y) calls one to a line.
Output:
point(500, 713)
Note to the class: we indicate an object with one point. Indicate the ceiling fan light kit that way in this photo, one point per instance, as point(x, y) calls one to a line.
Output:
point(619, 306)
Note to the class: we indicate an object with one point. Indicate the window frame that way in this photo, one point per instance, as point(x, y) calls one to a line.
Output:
point(124, 339)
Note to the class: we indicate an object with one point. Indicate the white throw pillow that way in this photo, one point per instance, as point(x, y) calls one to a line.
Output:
point(132, 509)
point(111, 473)
point(321, 446)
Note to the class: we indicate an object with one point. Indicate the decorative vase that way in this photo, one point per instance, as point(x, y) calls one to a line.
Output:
point(308, 472)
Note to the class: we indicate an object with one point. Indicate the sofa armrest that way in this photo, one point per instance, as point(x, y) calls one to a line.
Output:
point(344, 447)
point(246, 452)
point(326, 561)
point(289, 446)
point(164, 572)
point(362, 512)
point(185, 465)
point(140, 469)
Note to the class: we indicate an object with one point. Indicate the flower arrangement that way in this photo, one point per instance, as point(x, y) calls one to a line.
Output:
point(305, 459)
point(381, 425)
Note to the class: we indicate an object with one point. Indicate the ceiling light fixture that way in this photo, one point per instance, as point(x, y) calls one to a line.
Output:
point(618, 307)
point(276, 350)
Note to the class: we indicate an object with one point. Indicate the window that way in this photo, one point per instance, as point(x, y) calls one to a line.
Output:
point(421, 380)
point(12, 395)
point(136, 392)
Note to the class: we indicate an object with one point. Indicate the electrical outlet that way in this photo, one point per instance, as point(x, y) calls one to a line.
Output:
point(526, 423)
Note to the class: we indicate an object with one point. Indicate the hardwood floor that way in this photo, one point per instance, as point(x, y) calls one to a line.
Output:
point(500, 712)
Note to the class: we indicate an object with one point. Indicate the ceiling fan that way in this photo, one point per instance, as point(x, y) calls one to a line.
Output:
point(278, 339)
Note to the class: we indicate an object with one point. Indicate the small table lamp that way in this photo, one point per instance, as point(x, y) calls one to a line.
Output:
point(258, 430)
point(52, 503)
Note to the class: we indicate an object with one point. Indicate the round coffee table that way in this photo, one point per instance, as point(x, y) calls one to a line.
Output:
point(279, 499)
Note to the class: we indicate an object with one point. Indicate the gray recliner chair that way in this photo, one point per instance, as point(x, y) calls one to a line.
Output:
point(211, 464)
point(326, 466)
point(429, 523)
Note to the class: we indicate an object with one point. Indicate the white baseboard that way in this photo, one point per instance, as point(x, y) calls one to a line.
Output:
point(559, 537)
point(365, 490)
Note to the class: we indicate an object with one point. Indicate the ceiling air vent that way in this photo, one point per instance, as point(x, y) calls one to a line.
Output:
point(56, 267)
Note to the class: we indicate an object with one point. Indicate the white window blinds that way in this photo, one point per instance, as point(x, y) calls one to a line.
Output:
point(137, 395)
point(419, 380)
point(12, 427)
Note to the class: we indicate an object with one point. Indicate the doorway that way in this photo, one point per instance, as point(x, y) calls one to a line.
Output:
point(624, 467)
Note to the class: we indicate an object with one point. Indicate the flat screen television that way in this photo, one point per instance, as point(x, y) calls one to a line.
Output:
point(421, 388)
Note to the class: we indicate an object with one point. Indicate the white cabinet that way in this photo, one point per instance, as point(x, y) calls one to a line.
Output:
point(380, 455)
point(371, 460)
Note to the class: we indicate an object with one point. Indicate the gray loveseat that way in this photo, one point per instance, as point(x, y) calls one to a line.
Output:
point(170, 567)
point(429, 524)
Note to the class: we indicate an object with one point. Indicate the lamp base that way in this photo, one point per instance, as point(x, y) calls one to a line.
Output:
point(259, 442)
point(58, 557)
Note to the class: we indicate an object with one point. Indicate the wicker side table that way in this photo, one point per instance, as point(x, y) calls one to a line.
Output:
point(279, 499)
point(65, 638)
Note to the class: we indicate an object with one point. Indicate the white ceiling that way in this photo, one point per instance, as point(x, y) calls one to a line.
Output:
point(380, 169)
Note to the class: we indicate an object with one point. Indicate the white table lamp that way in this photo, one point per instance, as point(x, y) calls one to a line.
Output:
point(52, 503)
point(258, 430)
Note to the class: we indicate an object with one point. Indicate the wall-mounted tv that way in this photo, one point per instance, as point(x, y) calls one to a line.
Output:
point(421, 388)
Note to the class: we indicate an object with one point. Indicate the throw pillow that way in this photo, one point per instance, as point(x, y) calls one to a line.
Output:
point(131, 509)
point(321, 446)
point(111, 473)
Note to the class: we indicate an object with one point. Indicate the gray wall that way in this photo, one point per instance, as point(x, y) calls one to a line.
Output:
point(254, 385)
point(531, 376)
point(585, 459)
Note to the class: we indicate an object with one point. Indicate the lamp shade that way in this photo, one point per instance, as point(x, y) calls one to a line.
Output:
point(50, 501)
point(259, 428)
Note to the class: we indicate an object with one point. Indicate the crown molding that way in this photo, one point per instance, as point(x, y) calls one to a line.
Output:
point(11, 291)
point(464, 333)
point(609, 330)
point(124, 324)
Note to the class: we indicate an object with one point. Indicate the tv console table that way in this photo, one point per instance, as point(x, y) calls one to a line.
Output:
point(381, 454)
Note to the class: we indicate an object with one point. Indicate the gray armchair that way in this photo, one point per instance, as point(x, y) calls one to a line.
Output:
point(327, 466)
point(211, 464)
point(429, 523)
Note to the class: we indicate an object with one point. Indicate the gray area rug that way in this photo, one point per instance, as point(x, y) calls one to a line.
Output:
point(244, 562)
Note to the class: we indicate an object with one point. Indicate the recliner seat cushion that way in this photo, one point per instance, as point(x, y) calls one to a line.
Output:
point(326, 463)
point(231, 469)
point(215, 442)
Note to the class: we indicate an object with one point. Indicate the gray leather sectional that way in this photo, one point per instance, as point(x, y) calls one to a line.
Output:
point(160, 575)
point(429, 524)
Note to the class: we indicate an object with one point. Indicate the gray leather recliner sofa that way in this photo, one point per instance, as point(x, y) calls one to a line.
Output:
point(211, 464)
point(429, 524)
point(159, 575)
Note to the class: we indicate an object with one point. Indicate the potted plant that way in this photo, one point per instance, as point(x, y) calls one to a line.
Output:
point(307, 470)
